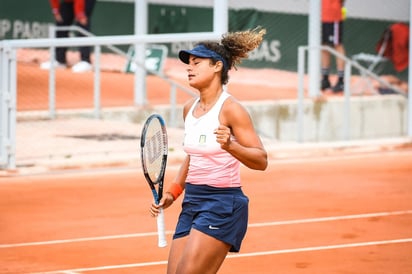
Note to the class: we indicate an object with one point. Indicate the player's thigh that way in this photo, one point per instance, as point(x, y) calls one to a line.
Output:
point(202, 254)
point(175, 254)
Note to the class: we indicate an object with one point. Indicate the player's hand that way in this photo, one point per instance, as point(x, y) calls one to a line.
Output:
point(165, 202)
point(223, 135)
point(82, 20)
point(58, 17)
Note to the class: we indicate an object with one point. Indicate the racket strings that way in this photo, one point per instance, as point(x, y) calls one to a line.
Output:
point(154, 150)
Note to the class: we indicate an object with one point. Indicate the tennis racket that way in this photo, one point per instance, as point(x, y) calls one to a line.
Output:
point(153, 151)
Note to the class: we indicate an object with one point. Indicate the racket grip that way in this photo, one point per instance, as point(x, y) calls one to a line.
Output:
point(161, 229)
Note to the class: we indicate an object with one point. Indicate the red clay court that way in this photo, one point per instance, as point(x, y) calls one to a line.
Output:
point(76, 90)
point(346, 214)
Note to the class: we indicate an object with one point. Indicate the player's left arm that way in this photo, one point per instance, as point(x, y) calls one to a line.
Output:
point(247, 146)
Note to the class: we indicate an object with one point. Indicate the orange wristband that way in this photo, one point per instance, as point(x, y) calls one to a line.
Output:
point(175, 190)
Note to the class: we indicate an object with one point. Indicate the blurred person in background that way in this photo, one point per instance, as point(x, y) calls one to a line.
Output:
point(67, 12)
point(333, 15)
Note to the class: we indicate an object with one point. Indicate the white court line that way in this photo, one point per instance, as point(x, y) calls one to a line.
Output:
point(149, 234)
point(324, 247)
point(86, 239)
point(252, 254)
point(336, 218)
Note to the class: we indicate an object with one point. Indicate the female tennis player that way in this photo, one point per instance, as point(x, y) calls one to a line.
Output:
point(219, 136)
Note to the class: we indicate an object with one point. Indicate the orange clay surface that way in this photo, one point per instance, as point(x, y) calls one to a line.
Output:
point(351, 214)
point(76, 90)
point(117, 88)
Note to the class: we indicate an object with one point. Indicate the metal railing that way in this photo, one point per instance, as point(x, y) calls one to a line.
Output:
point(97, 56)
point(9, 46)
point(349, 64)
point(8, 76)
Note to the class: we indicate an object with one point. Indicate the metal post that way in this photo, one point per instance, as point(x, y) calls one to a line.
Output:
point(97, 105)
point(314, 47)
point(52, 75)
point(8, 107)
point(173, 105)
point(12, 111)
point(301, 97)
point(410, 75)
point(220, 16)
point(4, 119)
point(140, 27)
point(347, 95)
point(1, 69)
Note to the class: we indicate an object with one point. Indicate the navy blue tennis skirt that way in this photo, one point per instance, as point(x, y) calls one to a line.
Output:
point(219, 212)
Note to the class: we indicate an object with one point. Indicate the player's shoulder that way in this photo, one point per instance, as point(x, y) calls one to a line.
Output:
point(232, 104)
point(187, 105)
point(234, 111)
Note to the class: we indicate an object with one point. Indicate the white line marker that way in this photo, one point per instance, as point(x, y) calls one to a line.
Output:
point(324, 247)
point(335, 218)
point(86, 239)
point(150, 234)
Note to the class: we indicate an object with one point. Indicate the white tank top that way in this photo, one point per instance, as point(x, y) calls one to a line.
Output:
point(209, 164)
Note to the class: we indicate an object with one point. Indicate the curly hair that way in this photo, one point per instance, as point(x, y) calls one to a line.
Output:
point(234, 46)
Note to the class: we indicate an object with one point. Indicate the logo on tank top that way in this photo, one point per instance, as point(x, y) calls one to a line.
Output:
point(202, 139)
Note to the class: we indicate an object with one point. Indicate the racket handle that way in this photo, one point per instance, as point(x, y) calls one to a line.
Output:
point(161, 229)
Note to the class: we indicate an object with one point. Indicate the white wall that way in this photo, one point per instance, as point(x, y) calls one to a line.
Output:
point(371, 117)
